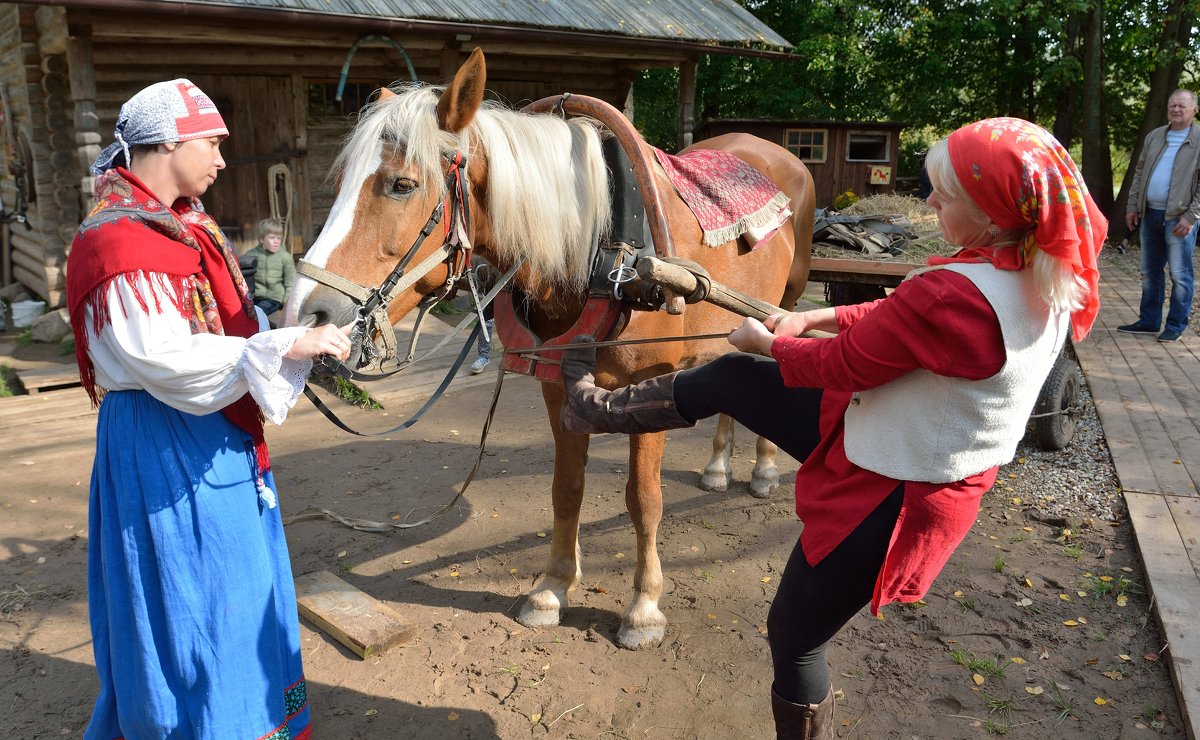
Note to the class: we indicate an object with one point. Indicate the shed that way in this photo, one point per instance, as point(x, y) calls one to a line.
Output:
point(274, 70)
point(859, 156)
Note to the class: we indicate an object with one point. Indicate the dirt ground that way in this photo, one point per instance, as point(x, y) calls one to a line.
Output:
point(1025, 633)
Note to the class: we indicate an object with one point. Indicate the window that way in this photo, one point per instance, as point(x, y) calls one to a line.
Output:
point(806, 143)
point(867, 147)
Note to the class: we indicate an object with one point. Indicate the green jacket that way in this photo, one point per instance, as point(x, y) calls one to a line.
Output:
point(274, 275)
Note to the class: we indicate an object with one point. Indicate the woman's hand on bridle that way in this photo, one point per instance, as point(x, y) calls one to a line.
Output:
point(326, 339)
point(794, 324)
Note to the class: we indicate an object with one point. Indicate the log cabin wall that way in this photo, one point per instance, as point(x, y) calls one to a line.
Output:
point(68, 70)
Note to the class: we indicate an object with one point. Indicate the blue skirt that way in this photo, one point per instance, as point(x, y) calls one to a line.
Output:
point(190, 593)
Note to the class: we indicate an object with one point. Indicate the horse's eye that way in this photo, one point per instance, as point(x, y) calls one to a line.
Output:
point(401, 186)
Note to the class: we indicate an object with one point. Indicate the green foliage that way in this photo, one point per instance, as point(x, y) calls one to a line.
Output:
point(352, 394)
point(8, 380)
point(932, 64)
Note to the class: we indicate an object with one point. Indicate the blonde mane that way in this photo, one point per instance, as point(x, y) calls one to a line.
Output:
point(547, 191)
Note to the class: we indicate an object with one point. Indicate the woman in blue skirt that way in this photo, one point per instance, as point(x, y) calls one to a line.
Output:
point(190, 595)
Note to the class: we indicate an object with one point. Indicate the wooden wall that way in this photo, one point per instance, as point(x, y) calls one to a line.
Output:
point(835, 175)
point(69, 71)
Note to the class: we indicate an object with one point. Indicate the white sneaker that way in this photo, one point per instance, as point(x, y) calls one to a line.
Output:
point(478, 366)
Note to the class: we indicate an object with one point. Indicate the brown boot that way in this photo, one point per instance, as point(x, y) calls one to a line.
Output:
point(803, 721)
point(648, 406)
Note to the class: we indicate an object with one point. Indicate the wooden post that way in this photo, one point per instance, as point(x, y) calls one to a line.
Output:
point(687, 101)
point(82, 77)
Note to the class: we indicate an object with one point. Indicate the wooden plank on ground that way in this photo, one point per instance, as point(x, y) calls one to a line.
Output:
point(19, 410)
point(352, 617)
point(1132, 464)
point(1176, 590)
point(55, 377)
point(1186, 512)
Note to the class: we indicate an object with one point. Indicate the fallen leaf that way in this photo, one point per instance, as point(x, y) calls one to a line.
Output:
point(454, 574)
point(1100, 701)
point(1091, 661)
point(395, 517)
point(371, 712)
point(1114, 675)
point(453, 716)
point(1043, 654)
point(1027, 529)
point(978, 679)
point(512, 571)
point(1065, 597)
point(535, 718)
point(766, 579)
point(1019, 660)
point(1124, 657)
point(342, 554)
point(1106, 579)
point(1082, 620)
point(1028, 583)
point(1127, 569)
point(1122, 600)
point(1082, 593)
point(1035, 690)
point(1024, 602)
point(1150, 657)
point(1016, 500)
point(958, 594)
point(619, 555)
point(405, 562)
point(541, 534)
point(1071, 623)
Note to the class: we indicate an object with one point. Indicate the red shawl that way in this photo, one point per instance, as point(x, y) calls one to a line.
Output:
point(188, 261)
point(1022, 178)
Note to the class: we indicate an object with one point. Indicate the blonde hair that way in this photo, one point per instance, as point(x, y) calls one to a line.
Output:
point(1057, 282)
point(269, 226)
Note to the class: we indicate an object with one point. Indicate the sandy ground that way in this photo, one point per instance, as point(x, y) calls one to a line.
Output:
point(1023, 634)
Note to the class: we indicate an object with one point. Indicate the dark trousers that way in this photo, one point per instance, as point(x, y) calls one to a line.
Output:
point(812, 603)
point(268, 305)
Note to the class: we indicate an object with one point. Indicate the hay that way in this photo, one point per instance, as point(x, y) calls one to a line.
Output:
point(920, 215)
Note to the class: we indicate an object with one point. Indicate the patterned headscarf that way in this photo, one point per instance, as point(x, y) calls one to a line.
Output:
point(166, 111)
point(1021, 177)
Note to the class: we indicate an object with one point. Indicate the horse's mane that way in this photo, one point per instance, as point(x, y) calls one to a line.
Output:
point(547, 193)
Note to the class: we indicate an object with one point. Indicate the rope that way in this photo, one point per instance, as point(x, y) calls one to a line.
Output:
point(279, 176)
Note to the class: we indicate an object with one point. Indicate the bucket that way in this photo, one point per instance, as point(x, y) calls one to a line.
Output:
point(24, 313)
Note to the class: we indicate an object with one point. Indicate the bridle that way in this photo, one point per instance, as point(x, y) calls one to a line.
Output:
point(372, 339)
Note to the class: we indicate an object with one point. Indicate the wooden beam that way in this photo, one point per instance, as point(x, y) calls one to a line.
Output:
point(863, 272)
point(687, 101)
point(362, 623)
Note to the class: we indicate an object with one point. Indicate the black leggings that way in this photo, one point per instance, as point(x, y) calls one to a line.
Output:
point(812, 603)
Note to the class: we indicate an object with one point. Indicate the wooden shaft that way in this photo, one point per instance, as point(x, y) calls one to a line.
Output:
point(680, 280)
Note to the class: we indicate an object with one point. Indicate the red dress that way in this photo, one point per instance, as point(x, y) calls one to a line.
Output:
point(938, 321)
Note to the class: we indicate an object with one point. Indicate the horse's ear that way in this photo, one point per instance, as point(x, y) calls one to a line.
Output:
point(385, 93)
point(463, 95)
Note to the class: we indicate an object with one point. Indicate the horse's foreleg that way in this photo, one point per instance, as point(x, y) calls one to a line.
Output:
point(543, 607)
point(717, 472)
point(765, 478)
point(644, 624)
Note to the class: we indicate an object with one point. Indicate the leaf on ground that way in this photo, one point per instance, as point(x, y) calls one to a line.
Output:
point(1125, 657)
point(1100, 701)
point(978, 679)
point(1034, 690)
point(1019, 660)
point(1043, 654)
point(541, 534)
point(1065, 597)
point(1071, 623)
point(535, 718)
point(1150, 657)
point(371, 712)
point(1114, 675)
point(1024, 602)
point(765, 579)
point(453, 716)
point(958, 594)
point(1122, 600)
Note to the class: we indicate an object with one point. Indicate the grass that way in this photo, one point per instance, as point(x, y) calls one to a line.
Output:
point(984, 666)
point(352, 394)
point(1074, 550)
point(999, 565)
point(967, 605)
point(445, 308)
point(8, 381)
point(1061, 703)
point(25, 338)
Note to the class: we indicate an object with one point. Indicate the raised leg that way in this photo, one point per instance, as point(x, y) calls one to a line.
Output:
point(718, 473)
point(644, 624)
point(544, 604)
point(765, 478)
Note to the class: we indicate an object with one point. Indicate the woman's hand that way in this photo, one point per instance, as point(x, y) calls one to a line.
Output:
point(793, 324)
point(752, 336)
point(326, 339)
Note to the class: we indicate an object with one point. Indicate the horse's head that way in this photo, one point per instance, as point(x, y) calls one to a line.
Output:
point(392, 213)
point(537, 187)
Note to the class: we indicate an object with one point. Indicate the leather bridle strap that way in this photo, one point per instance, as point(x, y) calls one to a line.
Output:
point(367, 525)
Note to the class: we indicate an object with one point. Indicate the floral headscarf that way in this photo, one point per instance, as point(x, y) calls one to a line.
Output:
point(1021, 177)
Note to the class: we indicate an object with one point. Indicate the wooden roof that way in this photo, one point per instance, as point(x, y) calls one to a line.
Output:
point(721, 23)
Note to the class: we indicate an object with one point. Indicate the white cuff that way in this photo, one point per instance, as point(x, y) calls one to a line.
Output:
point(275, 381)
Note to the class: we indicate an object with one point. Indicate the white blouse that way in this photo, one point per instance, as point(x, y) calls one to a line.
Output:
point(195, 373)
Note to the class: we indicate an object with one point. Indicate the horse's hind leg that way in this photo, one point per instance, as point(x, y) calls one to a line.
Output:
point(543, 607)
point(644, 624)
point(717, 472)
point(765, 478)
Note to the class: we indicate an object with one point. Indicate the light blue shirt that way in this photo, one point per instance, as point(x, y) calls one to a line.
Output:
point(1160, 179)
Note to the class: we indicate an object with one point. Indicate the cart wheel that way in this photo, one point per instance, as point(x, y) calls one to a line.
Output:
point(1060, 393)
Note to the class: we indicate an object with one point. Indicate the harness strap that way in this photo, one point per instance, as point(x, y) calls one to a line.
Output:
point(367, 525)
point(333, 280)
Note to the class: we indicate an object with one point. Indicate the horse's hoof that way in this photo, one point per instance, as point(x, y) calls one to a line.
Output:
point(543, 608)
point(715, 482)
point(764, 486)
point(640, 638)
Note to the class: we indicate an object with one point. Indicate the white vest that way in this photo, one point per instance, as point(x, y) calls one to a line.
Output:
point(932, 428)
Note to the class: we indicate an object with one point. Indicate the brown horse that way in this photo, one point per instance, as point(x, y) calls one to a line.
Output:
point(539, 191)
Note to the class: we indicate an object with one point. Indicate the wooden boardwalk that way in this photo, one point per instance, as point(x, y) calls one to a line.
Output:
point(1147, 394)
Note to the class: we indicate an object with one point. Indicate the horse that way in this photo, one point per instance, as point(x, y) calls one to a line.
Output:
point(540, 201)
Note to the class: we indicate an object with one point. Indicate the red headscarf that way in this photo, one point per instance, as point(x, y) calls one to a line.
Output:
point(1021, 177)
